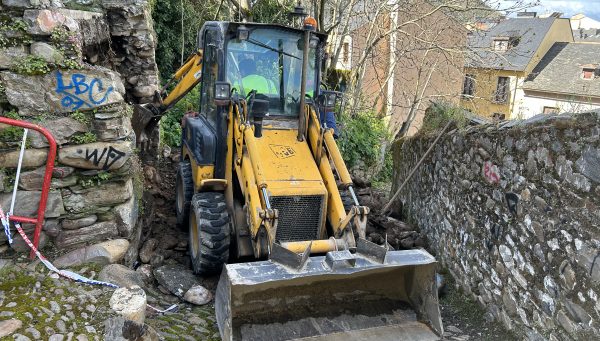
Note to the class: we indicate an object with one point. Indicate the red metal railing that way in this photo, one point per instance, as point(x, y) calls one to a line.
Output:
point(39, 220)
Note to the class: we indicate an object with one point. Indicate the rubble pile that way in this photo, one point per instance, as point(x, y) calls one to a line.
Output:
point(382, 228)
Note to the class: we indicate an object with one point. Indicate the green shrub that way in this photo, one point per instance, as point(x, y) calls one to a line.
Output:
point(68, 45)
point(10, 175)
point(31, 65)
point(83, 138)
point(170, 124)
point(81, 117)
point(11, 133)
point(360, 141)
point(438, 114)
point(13, 32)
point(95, 180)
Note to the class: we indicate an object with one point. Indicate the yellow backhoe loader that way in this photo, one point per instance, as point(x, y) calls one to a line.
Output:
point(260, 186)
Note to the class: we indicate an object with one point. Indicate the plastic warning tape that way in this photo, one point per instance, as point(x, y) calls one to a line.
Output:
point(65, 273)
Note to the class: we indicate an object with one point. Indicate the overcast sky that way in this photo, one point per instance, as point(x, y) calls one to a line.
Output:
point(591, 8)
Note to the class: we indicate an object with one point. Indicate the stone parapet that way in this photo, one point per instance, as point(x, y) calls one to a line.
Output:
point(513, 212)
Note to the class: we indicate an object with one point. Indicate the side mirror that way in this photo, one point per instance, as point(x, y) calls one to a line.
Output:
point(243, 32)
point(258, 109)
point(222, 93)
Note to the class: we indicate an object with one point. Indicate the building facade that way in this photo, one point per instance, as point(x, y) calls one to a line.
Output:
point(501, 58)
point(567, 79)
point(417, 60)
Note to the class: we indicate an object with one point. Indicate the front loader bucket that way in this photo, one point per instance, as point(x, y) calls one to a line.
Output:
point(339, 296)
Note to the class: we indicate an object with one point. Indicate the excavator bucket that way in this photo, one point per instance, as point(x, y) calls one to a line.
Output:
point(367, 295)
point(144, 120)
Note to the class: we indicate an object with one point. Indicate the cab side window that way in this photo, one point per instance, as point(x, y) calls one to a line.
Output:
point(210, 69)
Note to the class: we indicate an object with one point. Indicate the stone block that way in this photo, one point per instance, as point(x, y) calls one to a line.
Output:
point(116, 128)
point(46, 51)
point(144, 91)
point(103, 253)
point(63, 91)
point(89, 234)
point(175, 278)
point(19, 244)
point(566, 322)
point(130, 303)
point(121, 275)
point(27, 202)
point(89, 200)
point(33, 180)
point(98, 155)
point(31, 158)
point(589, 163)
point(7, 327)
point(120, 329)
point(62, 129)
point(74, 224)
point(28, 3)
point(587, 258)
point(9, 56)
point(52, 227)
point(43, 22)
point(198, 295)
point(126, 216)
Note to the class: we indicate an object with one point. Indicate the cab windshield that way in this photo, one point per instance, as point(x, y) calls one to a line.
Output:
point(270, 62)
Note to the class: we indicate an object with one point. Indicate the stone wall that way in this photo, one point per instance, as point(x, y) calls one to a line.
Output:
point(75, 67)
point(513, 213)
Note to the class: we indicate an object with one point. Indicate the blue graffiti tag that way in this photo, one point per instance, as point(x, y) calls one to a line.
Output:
point(79, 92)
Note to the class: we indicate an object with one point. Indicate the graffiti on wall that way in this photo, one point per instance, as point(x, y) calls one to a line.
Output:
point(490, 172)
point(106, 156)
point(81, 91)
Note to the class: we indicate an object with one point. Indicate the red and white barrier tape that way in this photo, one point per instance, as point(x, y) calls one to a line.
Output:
point(64, 273)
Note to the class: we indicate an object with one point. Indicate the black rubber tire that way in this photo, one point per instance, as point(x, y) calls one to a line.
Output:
point(184, 190)
point(209, 244)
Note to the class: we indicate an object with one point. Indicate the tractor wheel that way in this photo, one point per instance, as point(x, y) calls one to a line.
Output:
point(184, 191)
point(209, 232)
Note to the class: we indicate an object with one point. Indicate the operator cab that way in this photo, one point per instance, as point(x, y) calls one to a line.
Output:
point(262, 60)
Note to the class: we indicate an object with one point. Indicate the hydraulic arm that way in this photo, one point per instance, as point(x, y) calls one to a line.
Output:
point(146, 116)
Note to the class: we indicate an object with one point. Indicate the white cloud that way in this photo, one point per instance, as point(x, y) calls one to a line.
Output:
point(591, 8)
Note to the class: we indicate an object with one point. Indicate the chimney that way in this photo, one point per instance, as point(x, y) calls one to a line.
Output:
point(526, 14)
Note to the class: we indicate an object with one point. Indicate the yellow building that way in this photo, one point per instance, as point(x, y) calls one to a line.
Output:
point(501, 59)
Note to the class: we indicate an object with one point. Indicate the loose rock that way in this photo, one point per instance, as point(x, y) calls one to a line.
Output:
point(198, 295)
point(147, 250)
point(130, 303)
point(7, 327)
point(69, 224)
point(121, 275)
point(107, 252)
point(177, 279)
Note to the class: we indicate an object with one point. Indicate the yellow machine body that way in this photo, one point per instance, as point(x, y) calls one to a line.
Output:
point(312, 274)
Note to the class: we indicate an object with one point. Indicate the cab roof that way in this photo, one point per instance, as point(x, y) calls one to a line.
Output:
point(229, 26)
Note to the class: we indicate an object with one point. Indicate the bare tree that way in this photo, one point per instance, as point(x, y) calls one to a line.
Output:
point(406, 53)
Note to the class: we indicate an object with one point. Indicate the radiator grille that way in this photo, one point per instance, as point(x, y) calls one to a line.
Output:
point(300, 217)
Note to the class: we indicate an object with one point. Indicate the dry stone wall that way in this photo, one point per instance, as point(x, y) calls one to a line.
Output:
point(513, 212)
point(75, 67)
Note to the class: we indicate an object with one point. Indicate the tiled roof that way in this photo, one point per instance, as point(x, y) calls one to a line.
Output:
point(560, 71)
point(588, 35)
point(529, 31)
